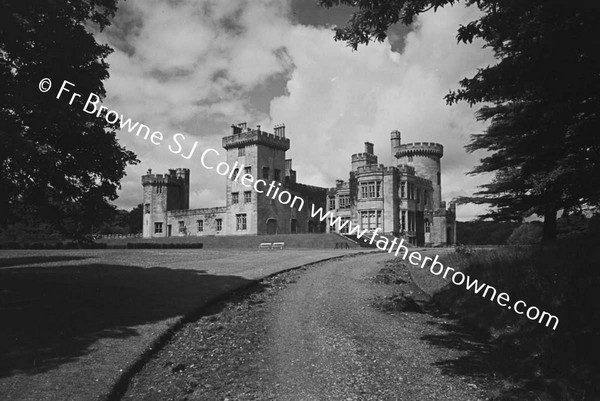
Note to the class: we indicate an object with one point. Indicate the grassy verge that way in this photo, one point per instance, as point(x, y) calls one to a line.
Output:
point(536, 361)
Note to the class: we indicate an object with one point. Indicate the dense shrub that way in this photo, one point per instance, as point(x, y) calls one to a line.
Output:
point(526, 234)
point(562, 279)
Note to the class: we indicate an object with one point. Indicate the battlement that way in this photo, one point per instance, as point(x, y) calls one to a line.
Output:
point(243, 136)
point(368, 157)
point(375, 168)
point(178, 176)
point(406, 169)
point(419, 149)
point(422, 181)
point(201, 211)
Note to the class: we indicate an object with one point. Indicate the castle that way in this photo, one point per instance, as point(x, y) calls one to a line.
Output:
point(402, 200)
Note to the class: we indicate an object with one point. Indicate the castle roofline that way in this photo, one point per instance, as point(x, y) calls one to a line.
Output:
point(420, 148)
point(256, 137)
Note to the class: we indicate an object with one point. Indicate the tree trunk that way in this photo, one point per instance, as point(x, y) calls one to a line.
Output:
point(549, 226)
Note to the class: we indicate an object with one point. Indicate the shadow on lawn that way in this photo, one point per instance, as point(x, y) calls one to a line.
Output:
point(51, 315)
point(29, 260)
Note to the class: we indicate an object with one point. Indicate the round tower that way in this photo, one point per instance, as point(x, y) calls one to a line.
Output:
point(425, 157)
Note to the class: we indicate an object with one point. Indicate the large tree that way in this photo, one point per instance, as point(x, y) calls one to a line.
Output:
point(542, 98)
point(58, 162)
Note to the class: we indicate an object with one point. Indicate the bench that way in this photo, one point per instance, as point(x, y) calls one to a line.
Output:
point(278, 245)
point(265, 245)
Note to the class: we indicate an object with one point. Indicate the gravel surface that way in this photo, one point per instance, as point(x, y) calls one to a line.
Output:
point(317, 333)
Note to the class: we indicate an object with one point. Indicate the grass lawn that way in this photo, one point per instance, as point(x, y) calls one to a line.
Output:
point(73, 320)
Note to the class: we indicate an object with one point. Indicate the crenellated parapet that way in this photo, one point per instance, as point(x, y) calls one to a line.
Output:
point(405, 169)
point(242, 138)
point(420, 149)
point(175, 177)
point(367, 157)
point(375, 168)
point(200, 211)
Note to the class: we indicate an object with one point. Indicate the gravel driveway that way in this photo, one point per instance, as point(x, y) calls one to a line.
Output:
point(310, 335)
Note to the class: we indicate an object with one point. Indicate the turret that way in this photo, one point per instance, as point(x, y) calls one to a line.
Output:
point(395, 138)
point(425, 157)
point(364, 159)
point(163, 193)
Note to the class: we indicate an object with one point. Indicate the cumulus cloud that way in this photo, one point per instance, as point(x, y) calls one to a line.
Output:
point(194, 67)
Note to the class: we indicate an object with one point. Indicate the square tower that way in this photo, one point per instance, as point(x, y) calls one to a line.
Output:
point(262, 155)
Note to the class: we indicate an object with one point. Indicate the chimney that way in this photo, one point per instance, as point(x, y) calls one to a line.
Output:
point(279, 130)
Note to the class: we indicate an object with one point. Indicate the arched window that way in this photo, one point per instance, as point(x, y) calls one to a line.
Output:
point(427, 226)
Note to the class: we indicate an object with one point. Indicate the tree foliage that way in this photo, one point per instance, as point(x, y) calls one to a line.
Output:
point(58, 162)
point(542, 97)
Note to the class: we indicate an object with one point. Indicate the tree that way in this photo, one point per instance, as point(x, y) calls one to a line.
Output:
point(135, 218)
point(58, 162)
point(542, 98)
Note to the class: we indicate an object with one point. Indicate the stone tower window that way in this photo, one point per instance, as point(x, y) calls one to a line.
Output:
point(242, 151)
point(235, 197)
point(158, 228)
point(200, 225)
point(219, 223)
point(147, 208)
point(265, 173)
point(247, 196)
point(240, 222)
point(248, 170)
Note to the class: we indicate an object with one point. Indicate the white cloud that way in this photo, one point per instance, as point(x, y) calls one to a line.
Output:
point(191, 66)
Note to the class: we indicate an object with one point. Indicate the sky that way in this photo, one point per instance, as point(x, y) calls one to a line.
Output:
point(198, 66)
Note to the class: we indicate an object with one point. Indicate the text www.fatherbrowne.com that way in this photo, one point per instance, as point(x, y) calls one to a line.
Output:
point(397, 247)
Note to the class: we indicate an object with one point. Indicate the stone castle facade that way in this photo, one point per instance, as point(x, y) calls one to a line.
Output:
point(401, 200)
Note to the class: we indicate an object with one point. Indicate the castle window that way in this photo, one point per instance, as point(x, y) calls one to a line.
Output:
point(332, 203)
point(411, 191)
point(265, 173)
point(403, 226)
point(427, 226)
point(410, 158)
point(247, 196)
point(235, 197)
point(182, 227)
point(235, 173)
point(200, 225)
point(248, 170)
point(242, 151)
point(294, 226)
point(439, 177)
point(240, 222)
point(370, 189)
point(158, 228)
point(344, 224)
point(411, 221)
point(277, 175)
point(147, 208)
point(403, 189)
point(219, 223)
point(344, 201)
point(370, 219)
